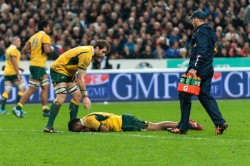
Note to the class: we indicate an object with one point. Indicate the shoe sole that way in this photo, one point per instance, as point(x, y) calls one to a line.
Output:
point(50, 131)
point(13, 112)
point(46, 115)
point(223, 128)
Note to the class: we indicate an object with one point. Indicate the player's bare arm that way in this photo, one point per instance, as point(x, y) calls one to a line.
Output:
point(16, 68)
point(47, 48)
point(103, 129)
point(82, 85)
point(21, 69)
point(26, 48)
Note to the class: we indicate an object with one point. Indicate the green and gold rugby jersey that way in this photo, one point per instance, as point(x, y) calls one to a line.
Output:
point(10, 52)
point(77, 58)
point(94, 121)
point(38, 57)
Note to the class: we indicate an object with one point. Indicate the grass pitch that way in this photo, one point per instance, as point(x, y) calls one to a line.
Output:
point(24, 143)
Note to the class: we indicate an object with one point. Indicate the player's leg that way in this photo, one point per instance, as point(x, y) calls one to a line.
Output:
point(5, 95)
point(61, 94)
point(60, 87)
point(74, 91)
point(44, 95)
point(33, 86)
point(161, 125)
point(21, 89)
point(170, 125)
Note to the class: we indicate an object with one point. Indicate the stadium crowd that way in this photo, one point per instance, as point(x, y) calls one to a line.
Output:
point(135, 29)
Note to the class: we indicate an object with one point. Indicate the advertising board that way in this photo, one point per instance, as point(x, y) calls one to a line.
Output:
point(147, 86)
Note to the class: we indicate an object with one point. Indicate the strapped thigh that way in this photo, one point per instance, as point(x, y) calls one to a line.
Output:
point(45, 82)
point(7, 87)
point(34, 84)
point(60, 89)
point(72, 89)
point(21, 86)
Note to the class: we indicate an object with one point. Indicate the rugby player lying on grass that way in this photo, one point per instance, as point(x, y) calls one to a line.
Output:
point(105, 122)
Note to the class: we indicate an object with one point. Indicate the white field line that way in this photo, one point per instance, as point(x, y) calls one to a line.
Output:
point(183, 137)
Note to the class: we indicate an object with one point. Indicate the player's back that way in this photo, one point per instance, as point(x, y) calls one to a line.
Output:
point(38, 56)
point(69, 62)
point(111, 121)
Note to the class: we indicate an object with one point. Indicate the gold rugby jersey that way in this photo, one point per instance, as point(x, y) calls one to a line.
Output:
point(94, 121)
point(76, 58)
point(9, 67)
point(38, 56)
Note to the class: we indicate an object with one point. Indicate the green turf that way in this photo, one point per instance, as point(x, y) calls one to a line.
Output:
point(22, 141)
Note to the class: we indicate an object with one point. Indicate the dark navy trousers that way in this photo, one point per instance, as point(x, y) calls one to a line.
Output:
point(207, 101)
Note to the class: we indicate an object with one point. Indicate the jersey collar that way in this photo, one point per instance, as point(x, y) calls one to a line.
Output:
point(12, 45)
point(92, 51)
point(82, 122)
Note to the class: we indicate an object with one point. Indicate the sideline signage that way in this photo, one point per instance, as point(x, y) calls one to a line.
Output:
point(218, 62)
point(146, 86)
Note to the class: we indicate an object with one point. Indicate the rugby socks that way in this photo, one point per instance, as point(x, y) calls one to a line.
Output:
point(19, 95)
point(54, 109)
point(189, 126)
point(45, 108)
point(73, 109)
point(4, 99)
point(19, 106)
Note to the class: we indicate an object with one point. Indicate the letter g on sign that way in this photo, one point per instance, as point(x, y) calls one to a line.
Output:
point(185, 88)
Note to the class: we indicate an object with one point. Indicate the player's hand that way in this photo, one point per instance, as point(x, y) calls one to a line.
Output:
point(74, 79)
point(192, 72)
point(86, 103)
point(19, 78)
point(21, 69)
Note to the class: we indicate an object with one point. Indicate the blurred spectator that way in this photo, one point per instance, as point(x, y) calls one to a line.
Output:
point(173, 51)
point(222, 52)
point(159, 53)
point(129, 47)
point(247, 15)
point(147, 53)
point(183, 53)
point(234, 50)
point(104, 64)
point(2, 51)
point(246, 50)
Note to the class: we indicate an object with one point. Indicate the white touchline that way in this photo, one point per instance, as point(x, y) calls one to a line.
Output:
point(183, 137)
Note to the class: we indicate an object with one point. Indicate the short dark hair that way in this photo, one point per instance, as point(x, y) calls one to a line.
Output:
point(102, 44)
point(72, 123)
point(42, 24)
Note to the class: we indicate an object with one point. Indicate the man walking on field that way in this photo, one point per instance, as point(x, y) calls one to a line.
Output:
point(11, 72)
point(38, 46)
